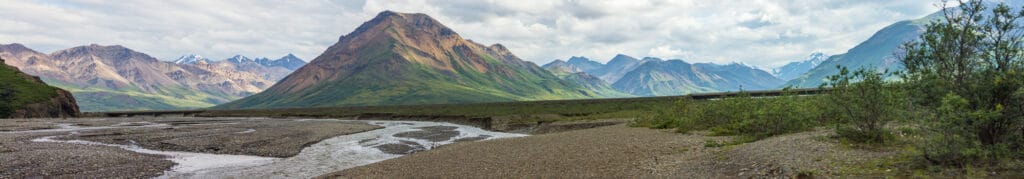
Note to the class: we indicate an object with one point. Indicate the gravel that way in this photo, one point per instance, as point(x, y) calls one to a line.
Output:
point(622, 152)
point(607, 152)
point(21, 158)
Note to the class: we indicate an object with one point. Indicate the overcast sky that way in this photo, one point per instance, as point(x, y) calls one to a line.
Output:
point(763, 33)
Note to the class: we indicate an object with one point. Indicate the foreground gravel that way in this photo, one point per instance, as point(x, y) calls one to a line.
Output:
point(21, 158)
point(607, 152)
point(623, 152)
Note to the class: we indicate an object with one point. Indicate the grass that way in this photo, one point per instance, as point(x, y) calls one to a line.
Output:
point(93, 99)
point(17, 90)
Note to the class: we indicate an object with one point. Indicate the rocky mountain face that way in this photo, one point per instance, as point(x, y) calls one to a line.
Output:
point(26, 96)
point(793, 70)
point(106, 78)
point(399, 58)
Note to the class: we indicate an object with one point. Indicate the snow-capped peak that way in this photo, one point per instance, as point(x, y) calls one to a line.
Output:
point(191, 59)
point(239, 59)
point(793, 70)
point(816, 58)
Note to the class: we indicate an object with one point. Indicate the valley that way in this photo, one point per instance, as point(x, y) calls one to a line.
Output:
point(714, 90)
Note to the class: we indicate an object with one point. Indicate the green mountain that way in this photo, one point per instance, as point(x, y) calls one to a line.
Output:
point(398, 59)
point(876, 53)
point(25, 96)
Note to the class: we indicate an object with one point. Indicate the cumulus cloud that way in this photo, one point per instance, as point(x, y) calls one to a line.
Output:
point(764, 33)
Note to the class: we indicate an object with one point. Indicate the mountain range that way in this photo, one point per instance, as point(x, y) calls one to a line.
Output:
point(656, 77)
point(572, 73)
point(105, 78)
point(400, 59)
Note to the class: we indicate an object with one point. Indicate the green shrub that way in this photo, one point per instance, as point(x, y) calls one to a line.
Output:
point(681, 115)
point(751, 118)
point(863, 103)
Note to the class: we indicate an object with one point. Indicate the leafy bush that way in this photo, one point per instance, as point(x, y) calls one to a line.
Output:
point(966, 75)
point(863, 103)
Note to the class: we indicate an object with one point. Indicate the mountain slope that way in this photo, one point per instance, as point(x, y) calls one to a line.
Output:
point(25, 96)
point(876, 53)
point(398, 58)
point(793, 70)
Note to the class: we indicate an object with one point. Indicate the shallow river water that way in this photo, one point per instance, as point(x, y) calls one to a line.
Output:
point(397, 138)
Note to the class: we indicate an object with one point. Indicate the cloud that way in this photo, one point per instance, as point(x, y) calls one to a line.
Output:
point(666, 51)
point(764, 33)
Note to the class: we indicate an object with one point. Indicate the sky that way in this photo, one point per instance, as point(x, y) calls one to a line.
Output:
point(762, 33)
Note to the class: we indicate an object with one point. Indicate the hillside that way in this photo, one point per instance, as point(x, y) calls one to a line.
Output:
point(25, 96)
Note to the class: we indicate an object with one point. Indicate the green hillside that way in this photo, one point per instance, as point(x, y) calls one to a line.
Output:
point(18, 89)
point(877, 53)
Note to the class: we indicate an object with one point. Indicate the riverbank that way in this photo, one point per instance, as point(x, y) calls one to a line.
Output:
point(213, 147)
